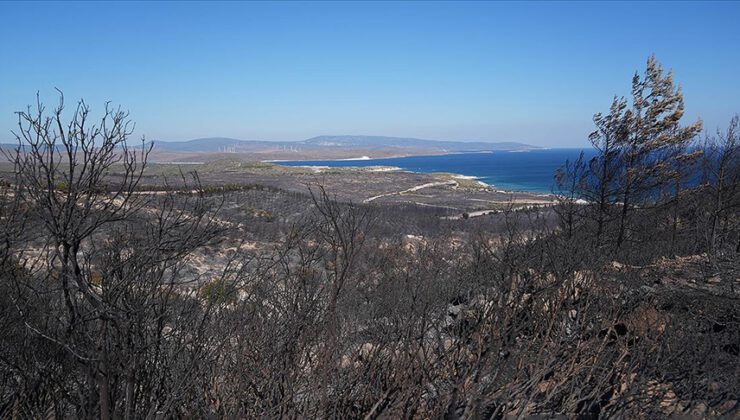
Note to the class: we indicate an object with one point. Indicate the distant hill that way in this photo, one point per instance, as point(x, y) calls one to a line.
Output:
point(223, 144)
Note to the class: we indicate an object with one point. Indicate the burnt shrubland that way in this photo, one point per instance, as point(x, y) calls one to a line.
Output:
point(120, 301)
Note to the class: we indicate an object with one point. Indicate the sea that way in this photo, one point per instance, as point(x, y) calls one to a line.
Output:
point(530, 171)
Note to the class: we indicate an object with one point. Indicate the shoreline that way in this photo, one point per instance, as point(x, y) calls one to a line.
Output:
point(367, 163)
point(438, 175)
point(387, 169)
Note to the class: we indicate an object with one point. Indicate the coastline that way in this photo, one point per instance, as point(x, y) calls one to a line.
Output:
point(440, 175)
point(366, 165)
point(441, 183)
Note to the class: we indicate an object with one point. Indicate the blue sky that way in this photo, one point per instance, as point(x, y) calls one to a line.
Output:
point(531, 72)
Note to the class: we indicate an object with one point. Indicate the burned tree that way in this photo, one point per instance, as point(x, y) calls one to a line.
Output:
point(93, 281)
point(653, 143)
point(721, 180)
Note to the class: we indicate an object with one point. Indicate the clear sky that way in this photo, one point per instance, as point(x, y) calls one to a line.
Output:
point(531, 72)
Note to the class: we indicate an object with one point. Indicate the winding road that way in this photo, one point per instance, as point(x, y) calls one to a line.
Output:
point(412, 189)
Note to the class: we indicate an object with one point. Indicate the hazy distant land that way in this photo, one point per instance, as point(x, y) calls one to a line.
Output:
point(321, 147)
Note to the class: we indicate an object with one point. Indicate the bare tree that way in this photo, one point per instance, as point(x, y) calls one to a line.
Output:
point(115, 273)
point(602, 185)
point(722, 180)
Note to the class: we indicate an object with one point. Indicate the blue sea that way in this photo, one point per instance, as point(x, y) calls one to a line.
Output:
point(530, 171)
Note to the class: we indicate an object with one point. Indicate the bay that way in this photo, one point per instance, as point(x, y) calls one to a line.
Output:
point(531, 171)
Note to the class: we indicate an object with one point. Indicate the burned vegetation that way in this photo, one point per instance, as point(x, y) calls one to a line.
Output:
point(621, 299)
